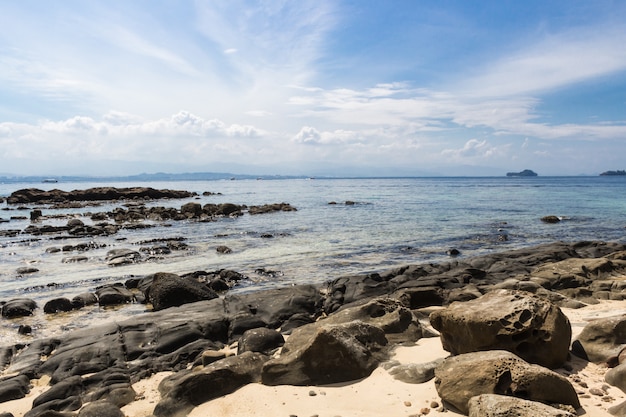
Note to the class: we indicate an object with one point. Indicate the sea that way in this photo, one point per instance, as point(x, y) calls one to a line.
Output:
point(341, 227)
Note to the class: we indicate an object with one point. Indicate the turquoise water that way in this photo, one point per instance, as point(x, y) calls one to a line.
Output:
point(392, 222)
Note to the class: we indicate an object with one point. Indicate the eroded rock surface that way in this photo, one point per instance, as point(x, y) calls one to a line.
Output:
point(459, 378)
point(519, 322)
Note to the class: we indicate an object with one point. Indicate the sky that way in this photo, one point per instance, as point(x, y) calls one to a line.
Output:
point(322, 87)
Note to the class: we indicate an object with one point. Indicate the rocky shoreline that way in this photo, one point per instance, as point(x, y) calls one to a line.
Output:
point(505, 305)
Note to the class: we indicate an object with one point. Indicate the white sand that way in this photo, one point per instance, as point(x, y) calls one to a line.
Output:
point(380, 394)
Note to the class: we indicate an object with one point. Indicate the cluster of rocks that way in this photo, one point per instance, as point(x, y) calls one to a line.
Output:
point(498, 315)
point(35, 195)
point(160, 290)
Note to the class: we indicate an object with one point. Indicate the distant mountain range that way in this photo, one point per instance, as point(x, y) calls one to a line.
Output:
point(160, 176)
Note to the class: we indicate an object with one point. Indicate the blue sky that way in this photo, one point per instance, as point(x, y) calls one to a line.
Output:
point(357, 87)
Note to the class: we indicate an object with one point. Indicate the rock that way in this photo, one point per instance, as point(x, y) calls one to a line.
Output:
point(100, 409)
point(25, 270)
point(261, 340)
point(84, 299)
point(191, 210)
point(116, 257)
point(170, 290)
point(184, 390)
point(459, 378)
point(550, 219)
point(269, 208)
point(113, 294)
point(35, 215)
point(18, 307)
point(14, 388)
point(34, 195)
point(223, 249)
point(520, 322)
point(414, 373)
point(493, 405)
point(601, 339)
point(397, 321)
point(57, 304)
point(317, 354)
point(617, 377)
point(271, 308)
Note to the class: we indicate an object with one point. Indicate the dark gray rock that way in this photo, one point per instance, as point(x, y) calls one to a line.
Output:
point(14, 388)
point(261, 340)
point(170, 290)
point(186, 389)
point(18, 307)
point(84, 299)
point(113, 294)
point(57, 304)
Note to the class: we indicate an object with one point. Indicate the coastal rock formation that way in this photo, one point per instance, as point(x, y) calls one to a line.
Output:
point(321, 353)
point(186, 389)
point(170, 290)
point(358, 316)
point(459, 378)
point(519, 322)
point(34, 195)
point(493, 405)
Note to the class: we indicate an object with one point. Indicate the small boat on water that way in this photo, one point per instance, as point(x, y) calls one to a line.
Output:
point(50, 180)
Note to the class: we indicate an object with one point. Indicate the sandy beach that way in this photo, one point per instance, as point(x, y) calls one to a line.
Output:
point(378, 394)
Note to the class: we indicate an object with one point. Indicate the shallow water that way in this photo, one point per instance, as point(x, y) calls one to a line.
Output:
point(392, 222)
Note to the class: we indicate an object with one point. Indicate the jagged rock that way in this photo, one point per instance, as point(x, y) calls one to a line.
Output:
point(601, 339)
point(57, 304)
point(327, 353)
point(18, 307)
point(184, 390)
point(261, 340)
point(493, 405)
point(520, 322)
point(459, 378)
point(170, 290)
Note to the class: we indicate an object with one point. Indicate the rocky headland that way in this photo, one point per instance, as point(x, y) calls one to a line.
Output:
point(498, 315)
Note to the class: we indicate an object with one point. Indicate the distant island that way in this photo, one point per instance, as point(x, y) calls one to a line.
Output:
point(524, 173)
point(609, 173)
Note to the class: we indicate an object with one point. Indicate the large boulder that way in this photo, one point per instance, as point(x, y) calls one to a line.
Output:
point(170, 290)
point(184, 390)
point(320, 353)
point(18, 307)
point(601, 339)
point(493, 405)
point(459, 378)
point(520, 322)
